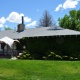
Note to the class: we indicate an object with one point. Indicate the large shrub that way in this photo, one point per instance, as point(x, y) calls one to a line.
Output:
point(62, 46)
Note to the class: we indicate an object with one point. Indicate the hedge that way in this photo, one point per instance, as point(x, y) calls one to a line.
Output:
point(60, 45)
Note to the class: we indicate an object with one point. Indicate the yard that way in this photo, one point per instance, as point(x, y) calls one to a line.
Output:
point(39, 70)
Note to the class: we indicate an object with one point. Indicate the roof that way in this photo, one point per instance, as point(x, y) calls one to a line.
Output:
point(38, 32)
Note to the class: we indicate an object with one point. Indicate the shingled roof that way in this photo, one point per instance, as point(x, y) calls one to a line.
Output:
point(38, 32)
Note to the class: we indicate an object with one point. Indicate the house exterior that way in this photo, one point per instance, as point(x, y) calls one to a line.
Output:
point(37, 33)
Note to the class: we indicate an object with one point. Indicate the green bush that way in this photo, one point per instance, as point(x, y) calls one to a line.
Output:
point(53, 56)
point(25, 55)
point(58, 57)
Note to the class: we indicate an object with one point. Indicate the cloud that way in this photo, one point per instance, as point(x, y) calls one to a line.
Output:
point(70, 4)
point(26, 19)
point(32, 24)
point(67, 4)
point(1, 25)
point(2, 20)
point(16, 17)
point(59, 6)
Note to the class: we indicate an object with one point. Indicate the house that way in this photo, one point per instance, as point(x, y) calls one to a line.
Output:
point(54, 34)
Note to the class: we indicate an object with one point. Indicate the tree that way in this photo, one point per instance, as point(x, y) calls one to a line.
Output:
point(71, 21)
point(46, 20)
point(7, 28)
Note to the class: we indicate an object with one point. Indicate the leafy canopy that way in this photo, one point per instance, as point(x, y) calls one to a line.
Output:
point(71, 20)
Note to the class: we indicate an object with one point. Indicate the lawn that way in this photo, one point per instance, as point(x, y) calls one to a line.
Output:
point(39, 70)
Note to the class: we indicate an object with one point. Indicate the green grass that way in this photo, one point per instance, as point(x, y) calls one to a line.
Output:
point(39, 70)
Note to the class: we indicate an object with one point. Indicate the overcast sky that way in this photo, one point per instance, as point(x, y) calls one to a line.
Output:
point(32, 10)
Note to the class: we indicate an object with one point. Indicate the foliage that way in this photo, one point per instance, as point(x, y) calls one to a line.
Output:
point(53, 48)
point(53, 56)
point(36, 47)
point(46, 20)
point(71, 20)
point(25, 55)
point(7, 28)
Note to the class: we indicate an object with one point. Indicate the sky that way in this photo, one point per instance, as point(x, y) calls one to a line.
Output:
point(32, 10)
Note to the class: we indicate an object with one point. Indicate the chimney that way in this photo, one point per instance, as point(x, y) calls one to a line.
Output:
point(21, 27)
point(22, 20)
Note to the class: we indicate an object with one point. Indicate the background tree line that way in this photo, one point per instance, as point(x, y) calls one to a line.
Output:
point(69, 21)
